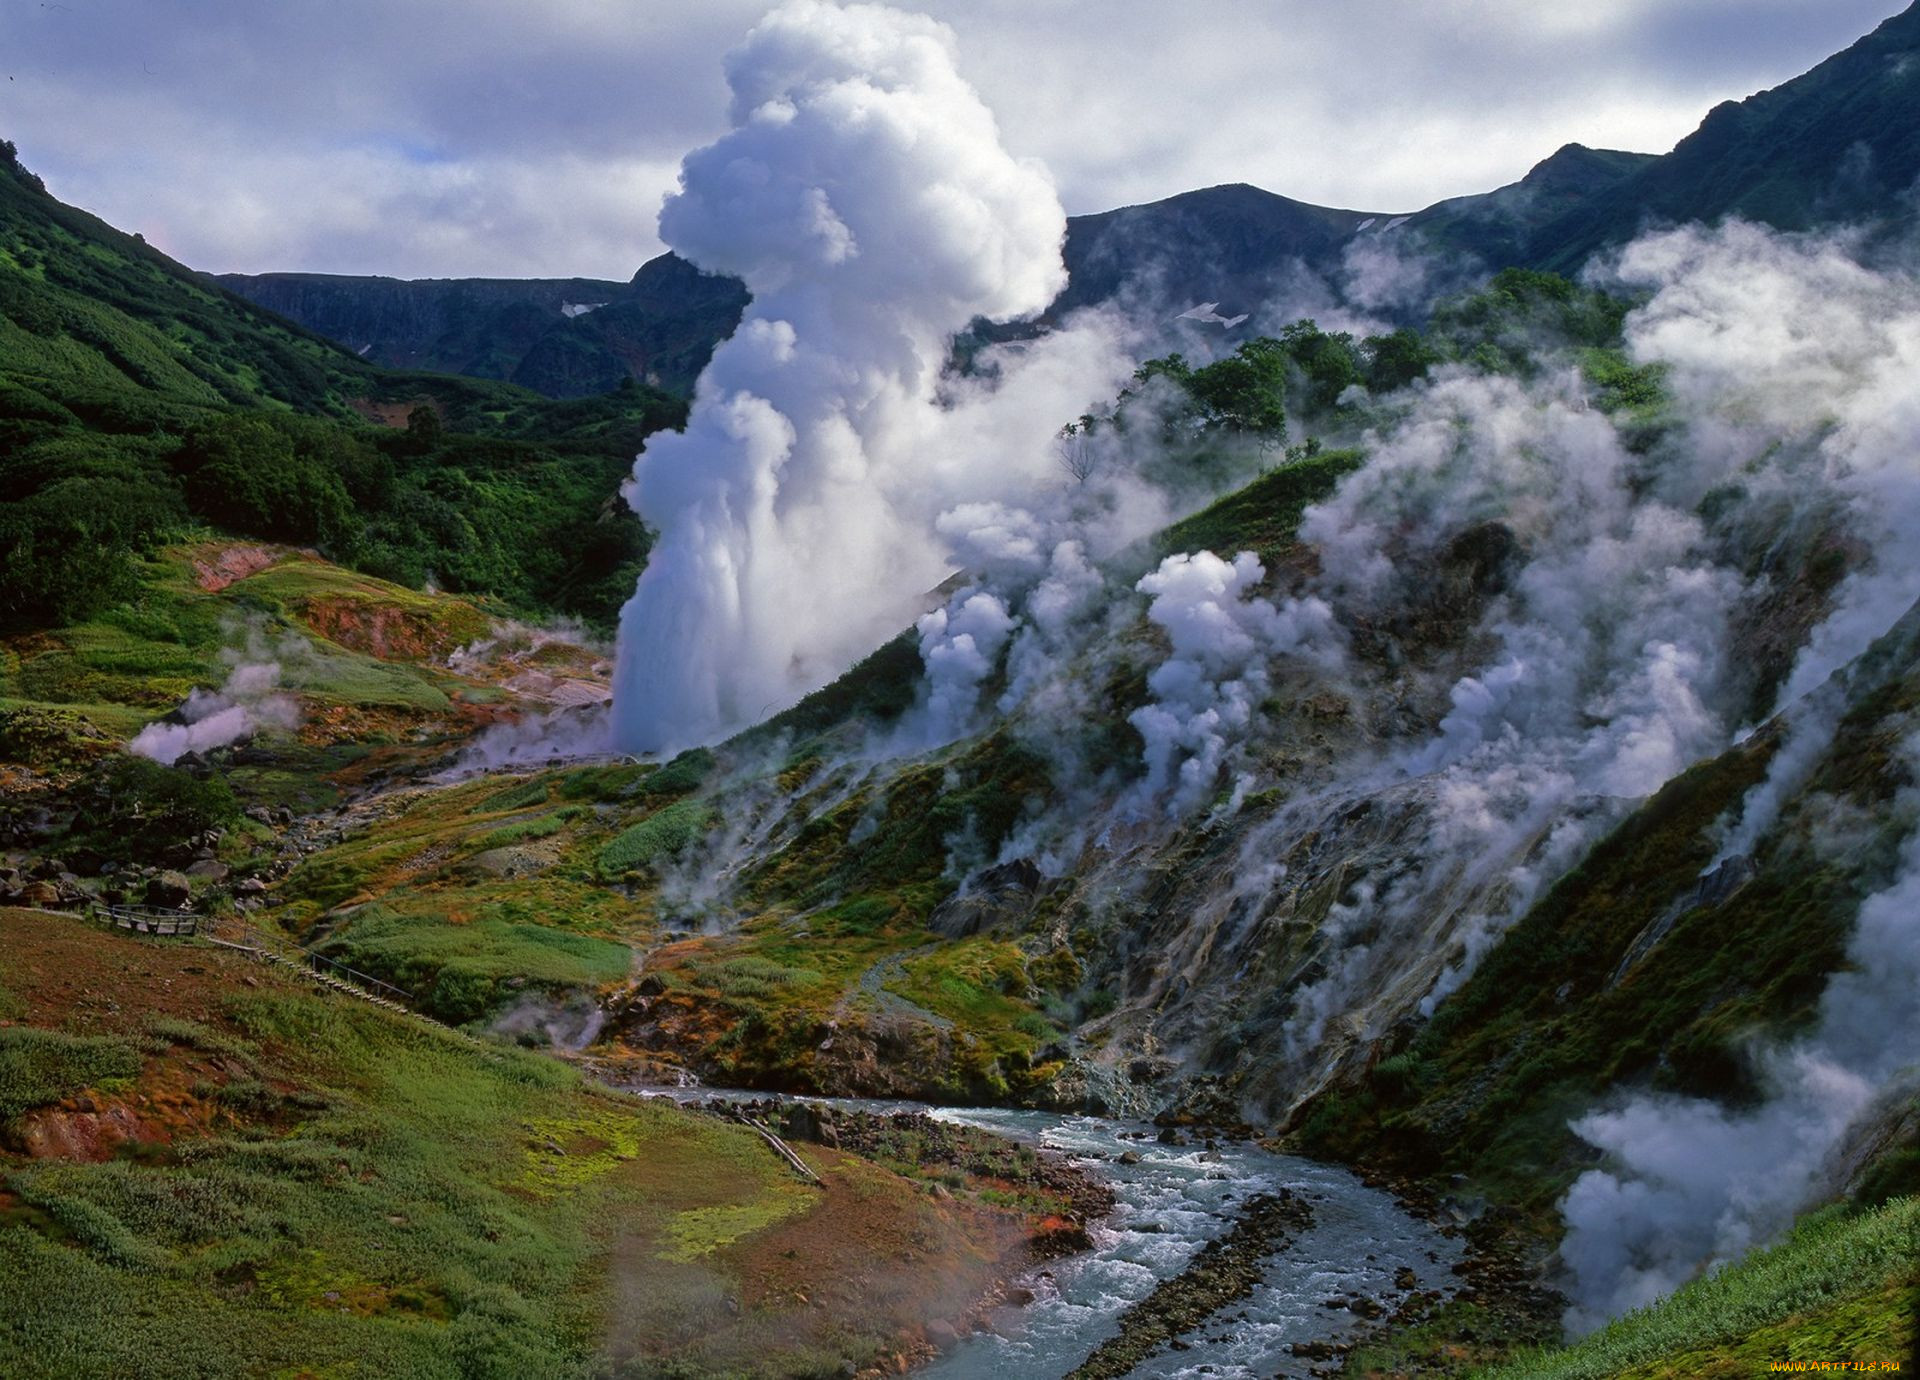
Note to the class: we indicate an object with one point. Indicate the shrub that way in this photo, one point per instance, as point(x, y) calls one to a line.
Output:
point(659, 836)
point(42, 1066)
point(683, 774)
point(144, 805)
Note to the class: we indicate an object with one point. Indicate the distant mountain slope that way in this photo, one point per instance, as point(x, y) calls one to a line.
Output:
point(1220, 242)
point(1840, 144)
point(1498, 227)
point(94, 319)
point(141, 402)
point(480, 324)
point(565, 337)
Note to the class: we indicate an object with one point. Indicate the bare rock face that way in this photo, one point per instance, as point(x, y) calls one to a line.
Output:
point(1000, 898)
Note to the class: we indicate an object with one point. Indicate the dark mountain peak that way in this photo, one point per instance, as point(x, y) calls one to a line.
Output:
point(1575, 167)
point(1227, 243)
point(1228, 200)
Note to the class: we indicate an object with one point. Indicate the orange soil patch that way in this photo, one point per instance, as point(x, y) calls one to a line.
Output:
point(391, 634)
point(873, 1256)
point(67, 972)
point(879, 1250)
point(217, 567)
point(325, 725)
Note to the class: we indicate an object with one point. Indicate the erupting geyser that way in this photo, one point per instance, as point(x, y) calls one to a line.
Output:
point(863, 196)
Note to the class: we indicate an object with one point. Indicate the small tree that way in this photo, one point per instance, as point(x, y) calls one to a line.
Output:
point(1073, 448)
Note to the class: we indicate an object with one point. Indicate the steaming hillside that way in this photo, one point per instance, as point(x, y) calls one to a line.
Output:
point(1401, 801)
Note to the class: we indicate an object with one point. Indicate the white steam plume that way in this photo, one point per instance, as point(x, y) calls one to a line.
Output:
point(1765, 334)
point(1607, 657)
point(1207, 693)
point(960, 645)
point(247, 703)
point(865, 199)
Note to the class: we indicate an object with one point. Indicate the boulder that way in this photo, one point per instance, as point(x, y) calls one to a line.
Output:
point(209, 869)
point(39, 894)
point(999, 898)
point(169, 891)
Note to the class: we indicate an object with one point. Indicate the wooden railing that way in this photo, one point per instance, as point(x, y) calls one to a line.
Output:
point(243, 933)
point(173, 924)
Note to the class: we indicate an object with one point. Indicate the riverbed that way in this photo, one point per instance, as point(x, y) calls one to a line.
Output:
point(1362, 1245)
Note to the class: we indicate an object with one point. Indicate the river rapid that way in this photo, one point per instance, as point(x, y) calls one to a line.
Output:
point(1169, 1204)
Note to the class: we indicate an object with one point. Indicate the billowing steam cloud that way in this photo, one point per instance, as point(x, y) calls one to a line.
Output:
point(865, 199)
point(1209, 690)
point(247, 703)
point(1607, 642)
point(960, 645)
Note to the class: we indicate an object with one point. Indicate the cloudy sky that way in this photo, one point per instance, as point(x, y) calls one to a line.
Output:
point(455, 137)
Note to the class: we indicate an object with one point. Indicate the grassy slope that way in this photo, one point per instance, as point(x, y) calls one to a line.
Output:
point(1842, 1288)
point(139, 660)
point(239, 1176)
point(113, 358)
point(123, 326)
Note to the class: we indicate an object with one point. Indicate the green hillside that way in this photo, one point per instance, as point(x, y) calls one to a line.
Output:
point(139, 403)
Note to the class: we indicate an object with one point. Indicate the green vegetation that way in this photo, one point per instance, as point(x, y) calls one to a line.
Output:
point(1521, 316)
point(657, 838)
point(141, 806)
point(1249, 394)
point(1842, 1287)
point(1264, 516)
point(42, 1066)
point(461, 972)
point(381, 1198)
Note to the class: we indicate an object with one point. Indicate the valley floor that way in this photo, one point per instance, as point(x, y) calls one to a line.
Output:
point(213, 1169)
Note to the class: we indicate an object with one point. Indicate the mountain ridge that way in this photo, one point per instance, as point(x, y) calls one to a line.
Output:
point(1837, 145)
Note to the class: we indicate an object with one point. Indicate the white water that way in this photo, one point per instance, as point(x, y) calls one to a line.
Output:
point(1175, 1200)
